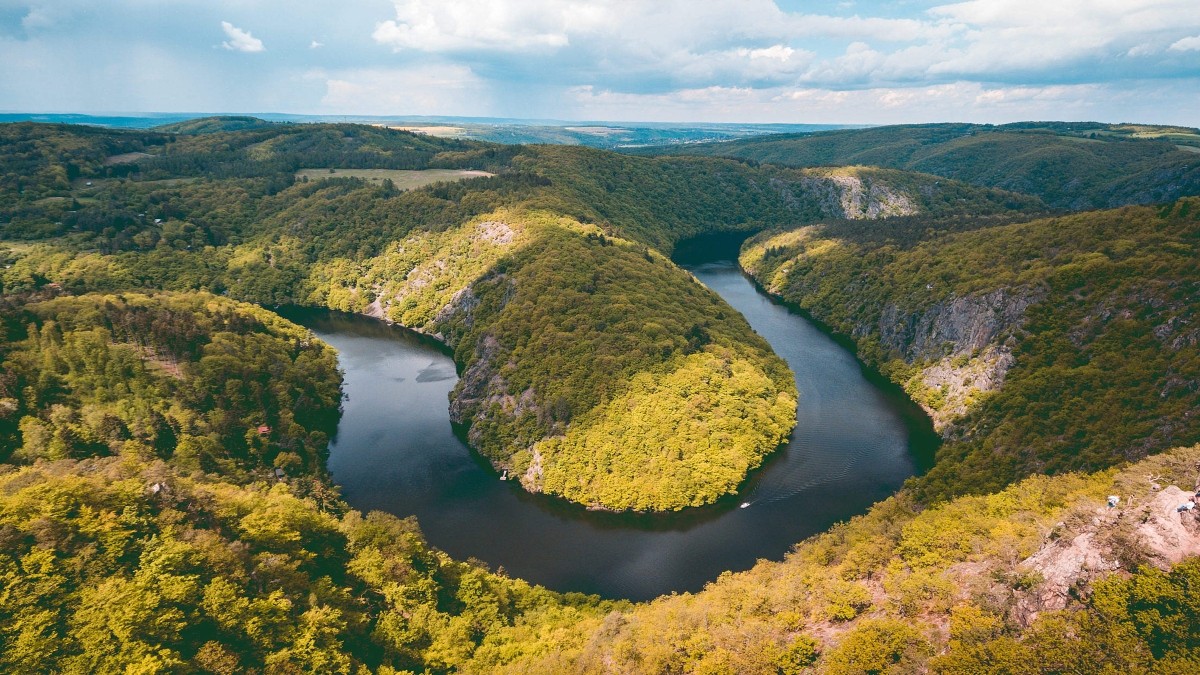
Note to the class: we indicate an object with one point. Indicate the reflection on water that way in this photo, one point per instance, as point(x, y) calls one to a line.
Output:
point(396, 451)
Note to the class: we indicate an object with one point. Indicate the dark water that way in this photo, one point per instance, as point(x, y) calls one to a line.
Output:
point(396, 451)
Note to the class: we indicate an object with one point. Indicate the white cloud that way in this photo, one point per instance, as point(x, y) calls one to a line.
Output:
point(438, 89)
point(775, 52)
point(465, 25)
point(1023, 36)
point(240, 40)
point(663, 45)
point(950, 101)
point(1187, 44)
point(646, 26)
point(763, 60)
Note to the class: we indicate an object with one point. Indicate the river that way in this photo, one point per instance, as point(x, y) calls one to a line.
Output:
point(855, 443)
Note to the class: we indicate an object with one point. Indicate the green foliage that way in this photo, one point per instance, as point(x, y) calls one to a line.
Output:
point(1146, 623)
point(698, 430)
point(1072, 166)
point(104, 574)
point(1105, 359)
point(663, 201)
point(619, 339)
point(220, 212)
point(140, 534)
point(801, 653)
point(213, 125)
point(878, 646)
point(189, 378)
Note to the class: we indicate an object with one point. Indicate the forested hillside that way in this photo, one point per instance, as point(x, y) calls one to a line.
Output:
point(1069, 166)
point(125, 549)
point(1005, 583)
point(203, 382)
point(164, 505)
point(1039, 347)
point(669, 199)
point(473, 264)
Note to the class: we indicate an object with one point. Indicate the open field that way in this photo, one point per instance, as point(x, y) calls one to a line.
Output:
point(404, 180)
point(126, 158)
point(429, 130)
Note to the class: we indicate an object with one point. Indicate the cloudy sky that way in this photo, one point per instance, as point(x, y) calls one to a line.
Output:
point(634, 60)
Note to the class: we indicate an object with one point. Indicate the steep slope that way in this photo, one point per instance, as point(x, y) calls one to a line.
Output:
point(974, 585)
point(120, 549)
point(138, 561)
point(664, 200)
point(1039, 347)
point(1078, 166)
point(208, 383)
point(213, 125)
point(482, 266)
point(554, 358)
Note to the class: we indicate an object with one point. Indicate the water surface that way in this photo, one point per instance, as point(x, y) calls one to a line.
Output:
point(396, 451)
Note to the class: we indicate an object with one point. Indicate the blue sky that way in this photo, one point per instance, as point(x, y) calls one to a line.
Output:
point(633, 60)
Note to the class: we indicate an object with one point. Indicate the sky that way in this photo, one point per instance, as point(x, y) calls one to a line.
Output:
point(853, 62)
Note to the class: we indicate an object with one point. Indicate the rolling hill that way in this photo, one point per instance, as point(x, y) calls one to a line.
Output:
point(146, 404)
point(1069, 166)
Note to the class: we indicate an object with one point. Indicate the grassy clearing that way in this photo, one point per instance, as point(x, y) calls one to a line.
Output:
point(126, 158)
point(438, 131)
point(17, 247)
point(404, 180)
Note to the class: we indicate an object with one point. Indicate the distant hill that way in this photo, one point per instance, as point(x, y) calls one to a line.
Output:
point(213, 125)
point(508, 131)
point(1068, 165)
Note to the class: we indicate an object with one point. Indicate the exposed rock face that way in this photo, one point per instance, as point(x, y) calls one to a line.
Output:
point(845, 195)
point(963, 344)
point(478, 383)
point(375, 310)
point(1065, 565)
point(958, 381)
point(481, 398)
point(495, 232)
point(461, 306)
point(956, 325)
point(1170, 535)
point(532, 478)
point(1160, 532)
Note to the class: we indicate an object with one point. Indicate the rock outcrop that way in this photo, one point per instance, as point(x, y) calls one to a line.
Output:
point(957, 325)
point(1156, 528)
point(843, 194)
point(962, 343)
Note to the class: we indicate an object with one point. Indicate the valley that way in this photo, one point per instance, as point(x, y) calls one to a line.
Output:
point(171, 471)
point(395, 450)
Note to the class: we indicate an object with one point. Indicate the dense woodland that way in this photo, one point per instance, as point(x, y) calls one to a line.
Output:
point(1068, 165)
point(1106, 356)
point(145, 408)
point(224, 213)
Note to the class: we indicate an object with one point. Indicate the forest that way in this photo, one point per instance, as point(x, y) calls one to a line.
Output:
point(1068, 165)
point(223, 212)
point(1096, 311)
point(164, 502)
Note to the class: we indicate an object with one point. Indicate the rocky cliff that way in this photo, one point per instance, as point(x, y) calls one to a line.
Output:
point(1044, 346)
point(961, 347)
